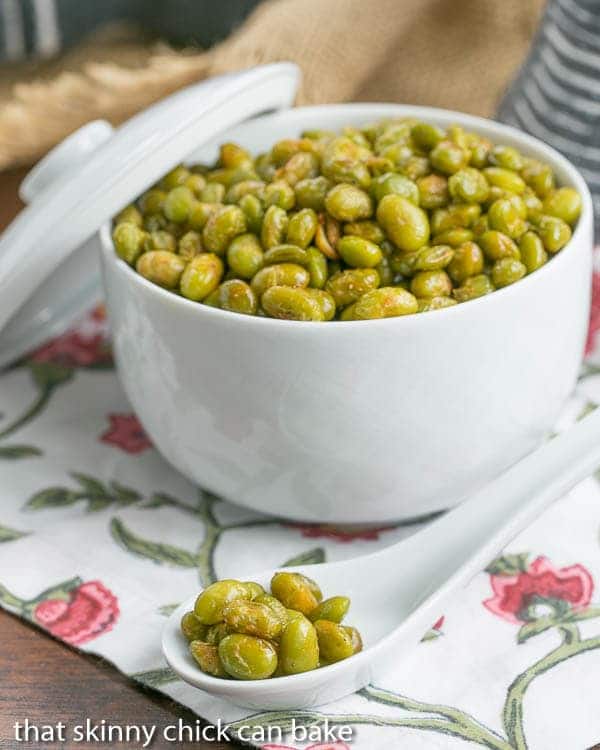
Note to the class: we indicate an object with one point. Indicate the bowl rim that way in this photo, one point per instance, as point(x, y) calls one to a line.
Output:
point(372, 110)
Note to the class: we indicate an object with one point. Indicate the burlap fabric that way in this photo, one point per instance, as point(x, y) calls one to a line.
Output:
point(459, 54)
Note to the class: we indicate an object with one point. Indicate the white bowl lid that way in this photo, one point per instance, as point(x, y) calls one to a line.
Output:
point(94, 173)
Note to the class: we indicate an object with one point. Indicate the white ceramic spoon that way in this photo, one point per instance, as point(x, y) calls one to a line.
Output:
point(398, 592)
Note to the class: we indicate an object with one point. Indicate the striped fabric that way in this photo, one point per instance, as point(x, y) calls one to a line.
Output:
point(41, 28)
point(29, 27)
point(556, 95)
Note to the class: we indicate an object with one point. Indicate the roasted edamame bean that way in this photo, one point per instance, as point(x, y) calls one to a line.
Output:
point(246, 657)
point(504, 216)
point(333, 609)
point(245, 256)
point(467, 261)
point(207, 657)
point(237, 296)
point(368, 230)
point(348, 203)
point(210, 603)
point(161, 267)
point(433, 191)
point(325, 302)
point(359, 253)
point(448, 157)
point(192, 628)
point(434, 303)
point(216, 633)
point(496, 245)
point(299, 646)
point(274, 227)
point(189, 245)
point(275, 606)
point(296, 591)
point(431, 284)
point(130, 214)
point(506, 271)
point(177, 204)
point(468, 185)
point(386, 302)
point(222, 226)
point(433, 258)
point(128, 239)
point(201, 276)
point(539, 177)
point(335, 642)
point(346, 287)
point(311, 192)
point(474, 286)
point(317, 267)
point(281, 274)
point(532, 251)
point(302, 227)
point(291, 303)
point(554, 233)
point(254, 589)
point(252, 618)
point(392, 183)
point(406, 225)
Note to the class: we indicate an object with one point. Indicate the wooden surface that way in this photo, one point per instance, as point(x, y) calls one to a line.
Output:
point(45, 682)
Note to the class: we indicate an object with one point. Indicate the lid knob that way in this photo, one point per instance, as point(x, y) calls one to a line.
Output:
point(64, 158)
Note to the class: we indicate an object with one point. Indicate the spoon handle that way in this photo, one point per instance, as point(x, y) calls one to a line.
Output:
point(461, 543)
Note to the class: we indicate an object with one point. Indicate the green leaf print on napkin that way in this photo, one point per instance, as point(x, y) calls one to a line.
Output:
point(54, 365)
point(164, 554)
point(19, 451)
point(154, 678)
point(95, 493)
point(311, 557)
point(45, 385)
point(52, 497)
point(203, 557)
point(9, 535)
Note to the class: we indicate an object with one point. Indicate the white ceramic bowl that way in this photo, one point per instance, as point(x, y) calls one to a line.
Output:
point(366, 421)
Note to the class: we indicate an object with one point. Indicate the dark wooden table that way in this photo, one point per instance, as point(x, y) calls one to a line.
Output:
point(45, 682)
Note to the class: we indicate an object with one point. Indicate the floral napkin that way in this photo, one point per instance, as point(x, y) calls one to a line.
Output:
point(100, 539)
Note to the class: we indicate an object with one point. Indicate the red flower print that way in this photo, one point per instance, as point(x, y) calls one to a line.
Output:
point(126, 433)
point(339, 533)
point(594, 314)
point(435, 631)
point(85, 345)
point(541, 584)
point(90, 610)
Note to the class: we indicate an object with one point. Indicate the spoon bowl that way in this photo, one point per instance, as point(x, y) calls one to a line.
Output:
point(398, 592)
point(301, 690)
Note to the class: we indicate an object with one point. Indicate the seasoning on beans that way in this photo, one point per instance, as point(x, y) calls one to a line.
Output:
point(237, 630)
point(397, 217)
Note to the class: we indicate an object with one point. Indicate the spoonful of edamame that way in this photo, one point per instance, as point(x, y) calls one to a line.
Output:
point(399, 591)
